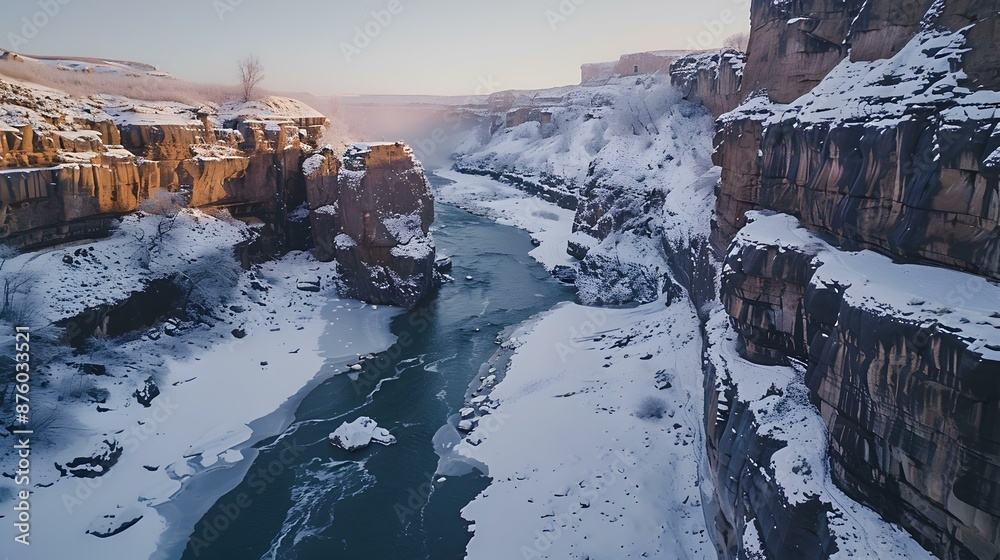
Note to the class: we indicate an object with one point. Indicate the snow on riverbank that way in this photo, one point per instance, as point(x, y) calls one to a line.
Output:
point(594, 447)
point(253, 354)
point(550, 225)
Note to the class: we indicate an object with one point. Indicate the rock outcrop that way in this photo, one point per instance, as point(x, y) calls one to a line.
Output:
point(903, 363)
point(893, 154)
point(69, 167)
point(794, 44)
point(874, 123)
point(372, 211)
point(713, 79)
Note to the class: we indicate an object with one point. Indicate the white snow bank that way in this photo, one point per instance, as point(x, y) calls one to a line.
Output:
point(213, 385)
point(68, 279)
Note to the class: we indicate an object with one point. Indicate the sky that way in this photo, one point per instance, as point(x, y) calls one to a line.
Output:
point(440, 47)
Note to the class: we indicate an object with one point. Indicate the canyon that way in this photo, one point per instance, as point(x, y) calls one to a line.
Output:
point(883, 141)
point(802, 240)
point(858, 141)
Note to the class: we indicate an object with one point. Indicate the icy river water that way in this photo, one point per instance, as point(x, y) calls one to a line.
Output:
point(384, 502)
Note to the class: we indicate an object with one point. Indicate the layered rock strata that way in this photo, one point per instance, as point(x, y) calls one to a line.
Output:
point(875, 124)
point(904, 365)
point(371, 210)
point(892, 150)
point(69, 165)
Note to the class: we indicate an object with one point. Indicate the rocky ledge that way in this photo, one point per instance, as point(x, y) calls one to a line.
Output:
point(903, 362)
point(71, 167)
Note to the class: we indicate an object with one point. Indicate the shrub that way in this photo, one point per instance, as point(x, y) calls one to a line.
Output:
point(652, 407)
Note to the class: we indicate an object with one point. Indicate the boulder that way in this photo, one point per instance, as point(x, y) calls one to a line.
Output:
point(95, 462)
point(147, 393)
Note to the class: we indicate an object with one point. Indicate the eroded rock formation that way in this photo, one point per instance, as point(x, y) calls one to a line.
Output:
point(69, 167)
point(372, 211)
point(713, 79)
point(904, 364)
point(875, 124)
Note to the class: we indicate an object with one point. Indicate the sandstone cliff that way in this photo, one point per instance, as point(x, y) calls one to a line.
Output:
point(903, 364)
point(372, 211)
point(70, 166)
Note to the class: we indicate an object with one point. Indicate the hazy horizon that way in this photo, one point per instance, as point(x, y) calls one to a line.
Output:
point(379, 47)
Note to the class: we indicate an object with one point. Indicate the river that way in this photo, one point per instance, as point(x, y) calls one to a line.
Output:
point(303, 499)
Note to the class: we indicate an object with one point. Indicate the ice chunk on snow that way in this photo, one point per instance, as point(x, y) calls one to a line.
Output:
point(217, 442)
point(352, 436)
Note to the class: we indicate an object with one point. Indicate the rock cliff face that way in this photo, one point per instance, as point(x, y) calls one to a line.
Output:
point(894, 154)
point(372, 212)
point(903, 365)
point(794, 44)
point(69, 167)
point(874, 124)
point(713, 79)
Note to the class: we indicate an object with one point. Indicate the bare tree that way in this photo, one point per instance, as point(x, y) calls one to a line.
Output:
point(251, 74)
point(739, 41)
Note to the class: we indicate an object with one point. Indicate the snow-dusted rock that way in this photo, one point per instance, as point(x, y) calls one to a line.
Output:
point(352, 436)
point(388, 259)
point(309, 285)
